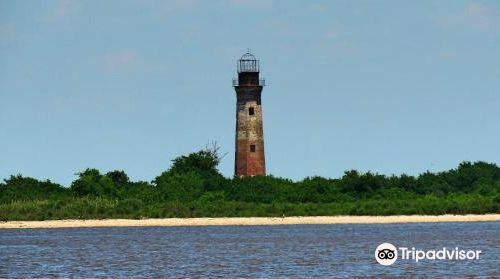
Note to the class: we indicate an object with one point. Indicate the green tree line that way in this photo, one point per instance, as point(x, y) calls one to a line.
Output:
point(193, 187)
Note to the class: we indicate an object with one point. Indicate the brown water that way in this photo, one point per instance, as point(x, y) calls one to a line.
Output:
point(301, 251)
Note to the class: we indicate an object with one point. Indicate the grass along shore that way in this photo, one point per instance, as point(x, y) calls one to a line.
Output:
point(249, 221)
point(87, 208)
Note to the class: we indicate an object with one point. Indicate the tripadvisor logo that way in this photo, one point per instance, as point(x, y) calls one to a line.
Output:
point(387, 254)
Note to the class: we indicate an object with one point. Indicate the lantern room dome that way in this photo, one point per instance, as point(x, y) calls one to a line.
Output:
point(248, 63)
point(248, 56)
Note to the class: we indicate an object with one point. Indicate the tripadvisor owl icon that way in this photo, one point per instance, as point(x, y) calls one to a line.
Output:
point(386, 254)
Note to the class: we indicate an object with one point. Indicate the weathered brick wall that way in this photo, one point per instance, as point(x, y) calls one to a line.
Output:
point(249, 131)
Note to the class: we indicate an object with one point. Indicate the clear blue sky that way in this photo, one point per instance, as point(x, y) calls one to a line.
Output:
point(386, 86)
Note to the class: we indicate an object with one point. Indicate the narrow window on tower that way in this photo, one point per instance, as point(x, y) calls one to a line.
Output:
point(252, 148)
point(251, 111)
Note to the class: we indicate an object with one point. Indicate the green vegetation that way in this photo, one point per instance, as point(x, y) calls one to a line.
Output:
point(193, 187)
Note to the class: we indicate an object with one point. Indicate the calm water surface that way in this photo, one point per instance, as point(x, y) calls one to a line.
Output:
point(302, 251)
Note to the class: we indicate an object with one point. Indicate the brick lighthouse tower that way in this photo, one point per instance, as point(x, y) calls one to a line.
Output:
point(249, 155)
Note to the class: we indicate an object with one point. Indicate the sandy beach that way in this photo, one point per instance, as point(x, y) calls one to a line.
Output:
point(249, 221)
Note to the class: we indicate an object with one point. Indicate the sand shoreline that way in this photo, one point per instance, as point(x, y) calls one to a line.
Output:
point(239, 221)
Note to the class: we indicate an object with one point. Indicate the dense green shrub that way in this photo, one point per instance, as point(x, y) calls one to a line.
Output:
point(193, 187)
point(19, 188)
point(91, 183)
point(179, 187)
